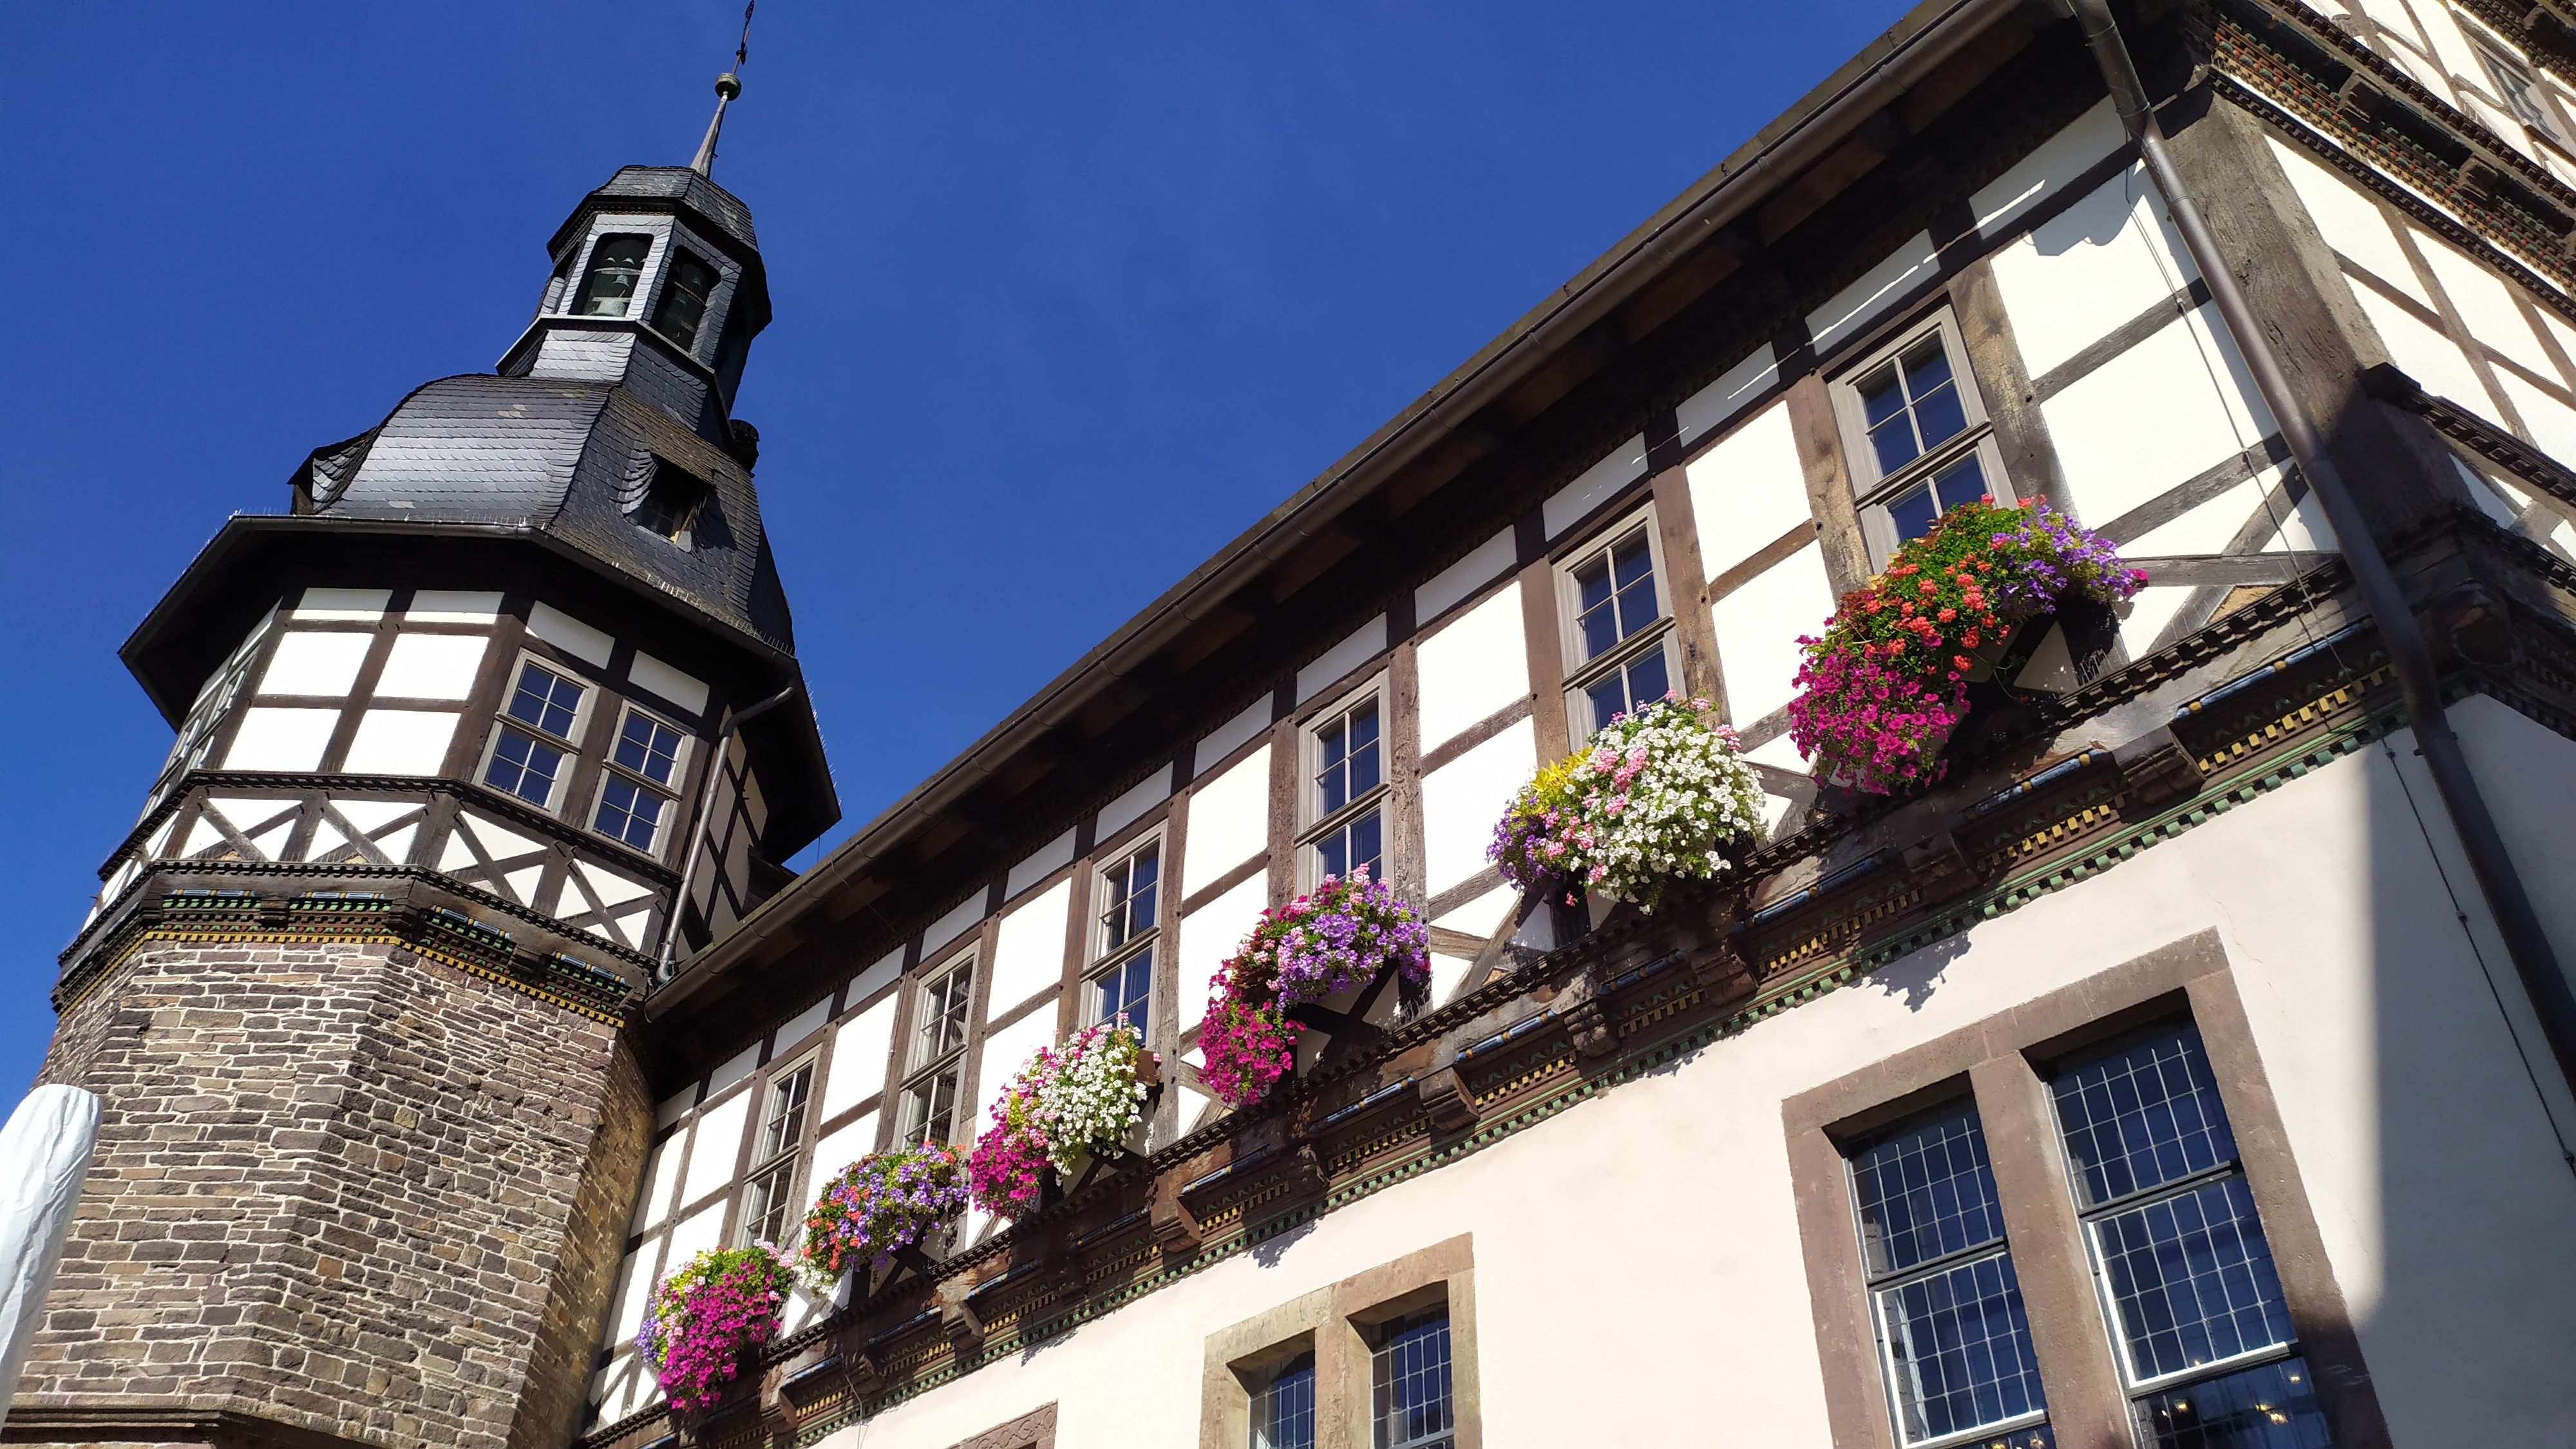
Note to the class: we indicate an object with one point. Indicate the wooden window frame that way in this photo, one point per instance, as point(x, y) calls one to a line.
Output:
point(1098, 958)
point(1662, 635)
point(1872, 490)
point(919, 1069)
point(591, 692)
point(1314, 824)
point(785, 1158)
point(670, 794)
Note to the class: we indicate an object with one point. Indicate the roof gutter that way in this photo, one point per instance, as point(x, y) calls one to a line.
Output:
point(2400, 632)
point(1884, 71)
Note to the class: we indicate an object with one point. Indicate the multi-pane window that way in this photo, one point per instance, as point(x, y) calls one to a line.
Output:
point(684, 300)
point(2203, 1336)
point(2521, 92)
point(770, 1201)
point(1917, 435)
point(1129, 891)
point(531, 754)
point(1283, 1411)
point(1954, 1344)
point(1622, 636)
point(631, 808)
point(938, 1053)
point(616, 265)
point(1348, 754)
point(1410, 1404)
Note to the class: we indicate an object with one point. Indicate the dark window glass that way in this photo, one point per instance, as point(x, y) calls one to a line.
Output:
point(943, 1014)
point(629, 812)
point(1925, 1194)
point(524, 766)
point(1355, 846)
point(1961, 1348)
point(2140, 1118)
point(545, 699)
point(649, 748)
point(930, 1108)
point(1913, 511)
point(767, 1207)
point(2192, 1279)
point(615, 264)
point(684, 300)
point(1130, 888)
point(786, 1124)
point(1349, 747)
point(1617, 594)
point(1639, 682)
point(1911, 405)
point(670, 503)
point(1283, 1412)
point(2271, 1407)
point(1409, 1390)
point(1126, 989)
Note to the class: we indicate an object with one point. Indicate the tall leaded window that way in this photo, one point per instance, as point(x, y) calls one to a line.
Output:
point(616, 265)
point(634, 806)
point(1410, 1403)
point(1954, 1345)
point(1130, 892)
point(938, 1058)
point(769, 1204)
point(683, 305)
point(1283, 1409)
point(533, 748)
point(1622, 639)
point(2203, 1336)
point(1916, 435)
point(1346, 789)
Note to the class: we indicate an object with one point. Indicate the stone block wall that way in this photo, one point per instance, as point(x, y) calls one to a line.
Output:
point(342, 1192)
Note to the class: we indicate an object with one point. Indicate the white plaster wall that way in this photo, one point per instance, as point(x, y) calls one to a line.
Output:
point(1462, 799)
point(1028, 950)
point(1456, 583)
point(717, 1145)
point(281, 739)
point(2485, 303)
point(1748, 490)
point(1758, 627)
point(2176, 404)
point(953, 924)
point(2428, 356)
point(1209, 935)
point(1594, 487)
point(313, 662)
point(664, 682)
point(661, 1179)
point(1144, 795)
point(2440, 1195)
point(570, 635)
point(431, 666)
point(1229, 821)
point(400, 742)
point(2107, 258)
point(861, 1048)
point(2349, 219)
point(1045, 861)
point(2050, 169)
point(1365, 643)
point(1473, 668)
point(1883, 286)
point(1714, 405)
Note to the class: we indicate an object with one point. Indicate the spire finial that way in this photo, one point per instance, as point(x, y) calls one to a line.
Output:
point(728, 86)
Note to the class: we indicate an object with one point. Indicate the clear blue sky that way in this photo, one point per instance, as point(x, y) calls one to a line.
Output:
point(1094, 286)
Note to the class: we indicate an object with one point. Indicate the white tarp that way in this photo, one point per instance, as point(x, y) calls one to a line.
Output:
point(44, 1154)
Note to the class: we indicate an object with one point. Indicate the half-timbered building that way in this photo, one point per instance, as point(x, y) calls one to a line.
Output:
point(2190, 1066)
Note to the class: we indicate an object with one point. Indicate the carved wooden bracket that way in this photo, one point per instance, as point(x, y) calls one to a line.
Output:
point(958, 1320)
point(1445, 1099)
point(1175, 1227)
point(2157, 769)
point(1579, 1009)
point(1939, 868)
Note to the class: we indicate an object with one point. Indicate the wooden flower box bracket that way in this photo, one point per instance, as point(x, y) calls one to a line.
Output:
point(1174, 1226)
point(2157, 769)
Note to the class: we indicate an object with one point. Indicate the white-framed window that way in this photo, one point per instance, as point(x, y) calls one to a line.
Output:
point(942, 1006)
point(2519, 89)
point(1954, 1345)
point(1619, 642)
point(616, 268)
point(638, 792)
point(2201, 1330)
point(1916, 435)
point(769, 1200)
point(535, 743)
point(1345, 788)
point(1126, 936)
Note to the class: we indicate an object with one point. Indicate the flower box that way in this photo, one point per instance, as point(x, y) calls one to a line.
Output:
point(1331, 945)
point(1656, 796)
point(1073, 1105)
point(706, 1316)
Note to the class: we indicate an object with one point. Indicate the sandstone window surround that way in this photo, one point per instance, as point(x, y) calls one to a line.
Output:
point(1349, 1335)
point(2007, 1067)
point(1619, 644)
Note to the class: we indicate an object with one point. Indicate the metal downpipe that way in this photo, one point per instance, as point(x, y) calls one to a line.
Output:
point(2411, 659)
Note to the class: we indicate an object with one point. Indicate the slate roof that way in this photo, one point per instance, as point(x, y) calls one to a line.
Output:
point(569, 458)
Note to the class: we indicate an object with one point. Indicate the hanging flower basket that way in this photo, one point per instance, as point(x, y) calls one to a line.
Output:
point(884, 1204)
point(1656, 796)
point(1339, 937)
point(718, 1306)
point(1071, 1102)
point(1886, 685)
